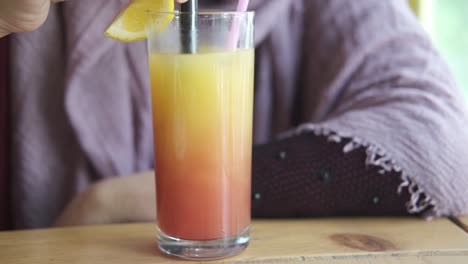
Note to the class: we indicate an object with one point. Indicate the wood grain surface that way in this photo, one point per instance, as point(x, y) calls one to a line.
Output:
point(378, 240)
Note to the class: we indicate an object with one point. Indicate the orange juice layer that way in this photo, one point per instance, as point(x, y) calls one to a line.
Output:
point(202, 110)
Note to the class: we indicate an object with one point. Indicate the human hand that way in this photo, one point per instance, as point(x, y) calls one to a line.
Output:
point(26, 15)
point(116, 200)
point(23, 15)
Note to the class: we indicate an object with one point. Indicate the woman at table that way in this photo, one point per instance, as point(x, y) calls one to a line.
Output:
point(374, 123)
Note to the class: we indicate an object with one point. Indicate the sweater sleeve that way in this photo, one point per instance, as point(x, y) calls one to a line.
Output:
point(388, 90)
point(309, 175)
point(387, 105)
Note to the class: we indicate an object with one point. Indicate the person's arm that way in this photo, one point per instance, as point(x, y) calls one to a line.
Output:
point(300, 176)
point(25, 15)
point(118, 199)
point(394, 105)
point(309, 175)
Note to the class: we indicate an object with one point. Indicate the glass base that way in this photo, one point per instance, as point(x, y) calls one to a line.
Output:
point(203, 250)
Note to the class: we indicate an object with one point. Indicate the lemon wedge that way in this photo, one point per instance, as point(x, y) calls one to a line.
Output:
point(130, 24)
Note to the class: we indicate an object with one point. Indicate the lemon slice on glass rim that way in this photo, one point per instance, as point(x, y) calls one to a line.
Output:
point(131, 23)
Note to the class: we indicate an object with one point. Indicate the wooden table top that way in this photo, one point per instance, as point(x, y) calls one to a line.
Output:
point(351, 240)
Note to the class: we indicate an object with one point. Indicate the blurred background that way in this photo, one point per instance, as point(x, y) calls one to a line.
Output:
point(446, 21)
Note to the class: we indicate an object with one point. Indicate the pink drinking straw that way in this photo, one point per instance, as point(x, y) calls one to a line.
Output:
point(234, 33)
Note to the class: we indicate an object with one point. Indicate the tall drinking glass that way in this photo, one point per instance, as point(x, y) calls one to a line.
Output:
point(202, 96)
